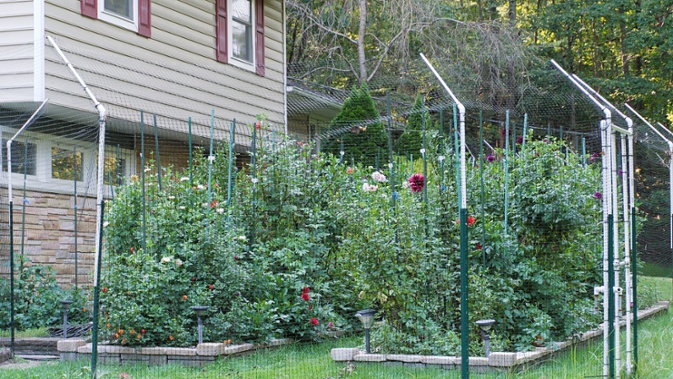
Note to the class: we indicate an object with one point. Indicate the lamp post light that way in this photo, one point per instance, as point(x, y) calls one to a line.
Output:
point(200, 311)
point(367, 318)
point(65, 304)
point(485, 326)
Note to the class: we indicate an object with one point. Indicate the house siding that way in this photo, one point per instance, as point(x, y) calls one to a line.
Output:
point(172, 74)
point(16, 50)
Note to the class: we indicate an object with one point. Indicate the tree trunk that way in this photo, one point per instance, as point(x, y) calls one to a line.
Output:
point(361, 41)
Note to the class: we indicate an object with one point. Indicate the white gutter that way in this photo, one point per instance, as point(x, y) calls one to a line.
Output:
point(38, 51)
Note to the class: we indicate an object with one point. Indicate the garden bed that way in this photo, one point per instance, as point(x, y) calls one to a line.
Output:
point(496, 360)
point(202, 354)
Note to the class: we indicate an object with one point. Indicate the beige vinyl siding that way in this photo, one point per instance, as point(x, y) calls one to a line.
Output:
point(173, 73)
point(16, 50)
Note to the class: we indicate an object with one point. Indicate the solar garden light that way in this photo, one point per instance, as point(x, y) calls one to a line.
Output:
point(65, 304)
point(200, 311)
point(367, 318)
point(485, 326)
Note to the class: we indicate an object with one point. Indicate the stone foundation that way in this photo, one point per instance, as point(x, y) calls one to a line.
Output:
point(50, 234)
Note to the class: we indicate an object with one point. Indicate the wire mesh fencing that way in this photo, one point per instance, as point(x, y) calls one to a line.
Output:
point(230, 236)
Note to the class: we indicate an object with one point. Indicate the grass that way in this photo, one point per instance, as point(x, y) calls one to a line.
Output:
point(38, 332)
point(307, 361)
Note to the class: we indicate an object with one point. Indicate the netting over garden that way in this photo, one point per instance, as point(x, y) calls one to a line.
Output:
point(289, 235)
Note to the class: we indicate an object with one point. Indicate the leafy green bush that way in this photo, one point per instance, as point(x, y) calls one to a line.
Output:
point(37, 299)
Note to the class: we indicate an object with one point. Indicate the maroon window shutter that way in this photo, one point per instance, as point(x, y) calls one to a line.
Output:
point(144, 18)
point(221, 49)
point(89, 8)
point(259, 37)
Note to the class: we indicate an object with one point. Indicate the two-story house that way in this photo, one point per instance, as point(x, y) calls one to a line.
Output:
point(207, 61)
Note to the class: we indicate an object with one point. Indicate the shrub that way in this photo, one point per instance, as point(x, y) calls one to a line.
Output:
point(37, 298)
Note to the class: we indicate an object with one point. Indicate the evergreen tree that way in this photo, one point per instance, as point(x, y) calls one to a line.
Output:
point(357, 128)
point(411, 141)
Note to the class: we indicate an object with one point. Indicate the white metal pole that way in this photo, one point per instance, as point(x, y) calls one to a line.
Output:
point(102, 115)
point(606, 137)
point(626, 213)
point(615, 247)
point(605, 168)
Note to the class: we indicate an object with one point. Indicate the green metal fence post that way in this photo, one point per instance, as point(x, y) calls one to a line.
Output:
point(142, 177)
point(634, 288)
point(424, 156)
point(506, 169)
point(74, 179)
point(156, 148)
point(481, 185)
point(230, 183)
point(525, 131)
point(96, 301)
point(253, 175)
point(191, 174)
point(211, 158)
point(610, 299)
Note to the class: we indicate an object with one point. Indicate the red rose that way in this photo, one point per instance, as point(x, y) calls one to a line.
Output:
point(471, 220)
point(314, 321)
point(305, 296)
point(478, 246)
point(305, 290)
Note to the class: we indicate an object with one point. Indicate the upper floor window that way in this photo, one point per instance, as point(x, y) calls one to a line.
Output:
point(130, 14)
point(240, 33)
point(120, 8)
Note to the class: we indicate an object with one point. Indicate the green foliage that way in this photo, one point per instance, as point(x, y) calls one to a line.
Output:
point(411, 141)
point(37, 298)
point(357, 127)
point(307, 241)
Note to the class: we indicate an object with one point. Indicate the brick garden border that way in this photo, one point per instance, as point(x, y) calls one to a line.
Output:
point(205, 353)
point(202, 354)
point(495, 362)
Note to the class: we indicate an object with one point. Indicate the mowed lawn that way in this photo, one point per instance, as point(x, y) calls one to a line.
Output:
point(313, 360)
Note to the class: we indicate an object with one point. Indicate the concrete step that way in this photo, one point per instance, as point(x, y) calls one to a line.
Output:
point(38, 357)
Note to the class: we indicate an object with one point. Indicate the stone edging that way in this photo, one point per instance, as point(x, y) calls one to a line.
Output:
point(204, 353)
point(496, 361)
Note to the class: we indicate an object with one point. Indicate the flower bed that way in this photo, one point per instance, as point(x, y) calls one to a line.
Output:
point(495, 361)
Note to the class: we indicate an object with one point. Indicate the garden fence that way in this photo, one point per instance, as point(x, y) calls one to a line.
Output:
point(288, 235)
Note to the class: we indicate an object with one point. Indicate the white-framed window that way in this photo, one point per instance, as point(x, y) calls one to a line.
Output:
point(122, 13)
point(135, 15)
point(242, 45)
point(240, 34)
point(24, 156)
point(54, 163)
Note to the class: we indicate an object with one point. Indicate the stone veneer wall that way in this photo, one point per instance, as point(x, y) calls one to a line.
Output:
point(50, 233)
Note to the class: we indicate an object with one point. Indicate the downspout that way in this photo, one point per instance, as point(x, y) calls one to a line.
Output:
point(102, 115)
point(464, 327)
point(606, 132)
